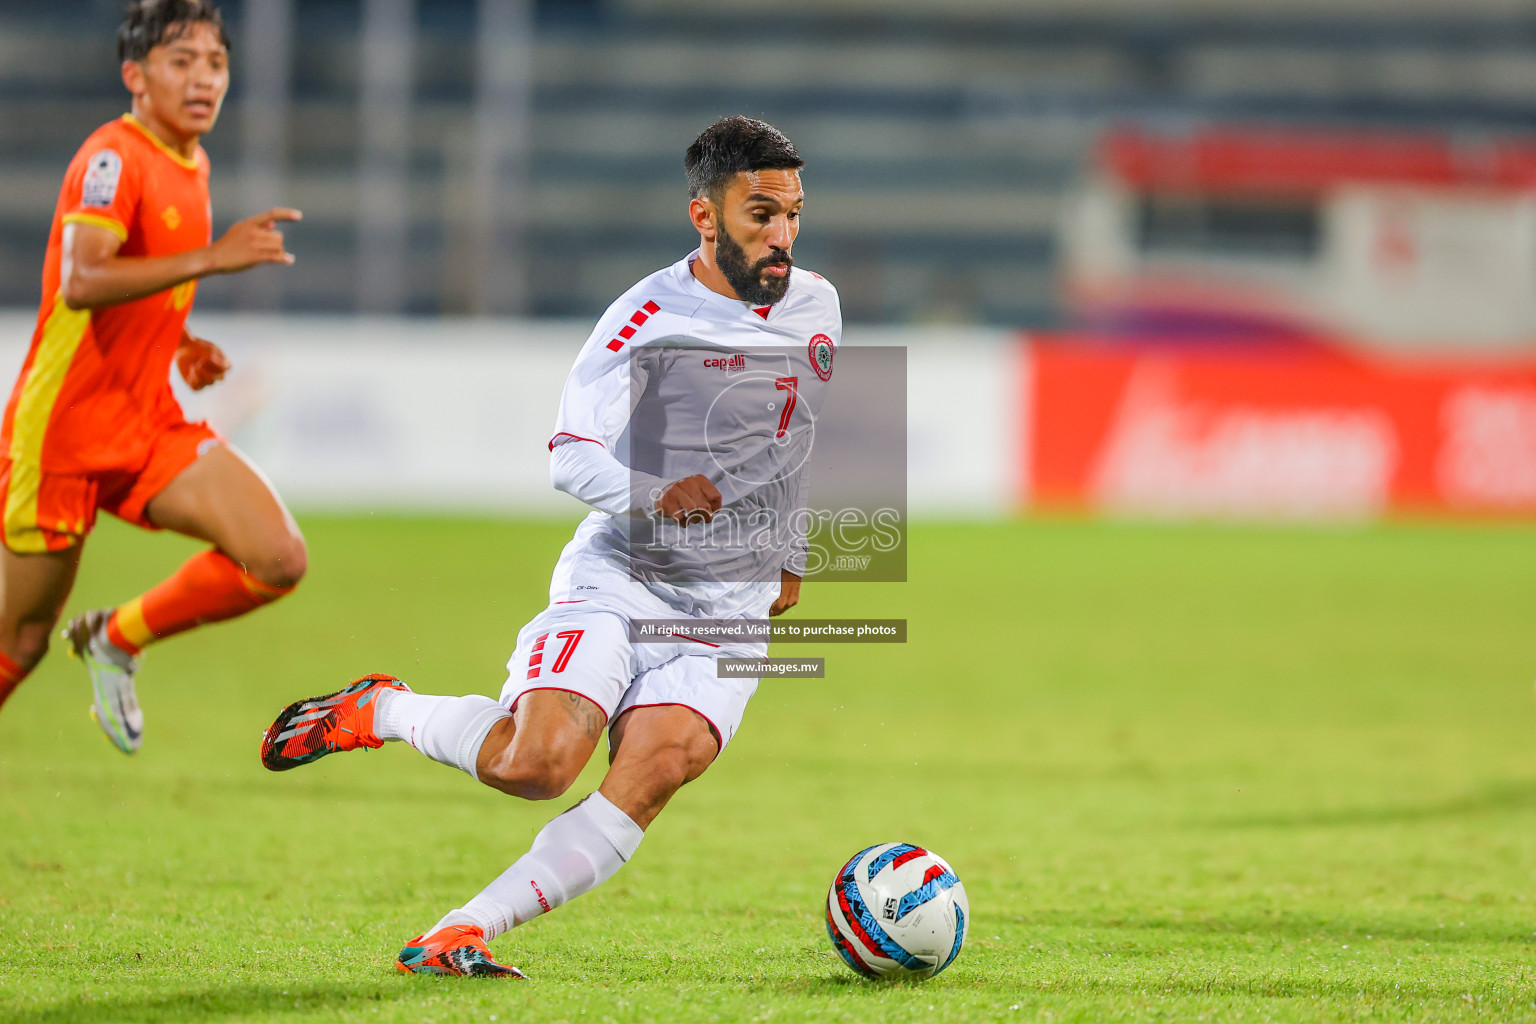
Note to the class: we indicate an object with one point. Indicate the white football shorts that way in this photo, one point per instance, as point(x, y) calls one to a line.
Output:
point(582, 644)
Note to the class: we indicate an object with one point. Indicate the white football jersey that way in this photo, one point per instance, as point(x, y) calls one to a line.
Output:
point(678, 380)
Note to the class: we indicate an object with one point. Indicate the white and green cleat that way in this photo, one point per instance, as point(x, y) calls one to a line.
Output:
point(115, 706)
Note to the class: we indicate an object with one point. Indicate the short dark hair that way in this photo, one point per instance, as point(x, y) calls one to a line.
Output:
point(731, 146)
point(148, 23)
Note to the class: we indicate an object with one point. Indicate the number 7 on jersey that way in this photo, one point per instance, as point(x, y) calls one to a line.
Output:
point(791, 385)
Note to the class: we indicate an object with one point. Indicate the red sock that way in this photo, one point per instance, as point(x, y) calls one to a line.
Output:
point(208, 587)
point(11, 676)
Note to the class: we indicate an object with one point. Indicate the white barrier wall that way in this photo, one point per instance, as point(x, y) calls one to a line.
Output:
point(454, 415)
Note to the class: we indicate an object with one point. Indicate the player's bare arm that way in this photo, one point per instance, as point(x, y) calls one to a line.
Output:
point(94, 275)
point(789, 593)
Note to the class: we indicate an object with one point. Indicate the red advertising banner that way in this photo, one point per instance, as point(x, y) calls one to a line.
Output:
point(1305, 434)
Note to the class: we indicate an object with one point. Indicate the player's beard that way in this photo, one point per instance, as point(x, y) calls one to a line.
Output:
point(747, 278)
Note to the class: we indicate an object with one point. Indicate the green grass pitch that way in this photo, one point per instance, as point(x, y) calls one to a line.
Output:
point(1186, 773)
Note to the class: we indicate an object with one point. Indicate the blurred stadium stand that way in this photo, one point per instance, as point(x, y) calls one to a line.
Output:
point(942, 136)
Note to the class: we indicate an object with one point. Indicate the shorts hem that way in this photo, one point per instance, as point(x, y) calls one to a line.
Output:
point(563, 689)
point(713, 729)
point(164, 466)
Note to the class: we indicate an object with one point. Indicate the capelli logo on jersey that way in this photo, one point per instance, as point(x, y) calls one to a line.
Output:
point(735, 364)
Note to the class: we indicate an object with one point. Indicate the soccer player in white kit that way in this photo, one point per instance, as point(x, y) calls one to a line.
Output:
point(686, 423)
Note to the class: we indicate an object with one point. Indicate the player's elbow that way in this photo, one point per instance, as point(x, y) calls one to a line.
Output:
point(564, 470)
point(76, 293)
point(567, 477)
point(558, 477)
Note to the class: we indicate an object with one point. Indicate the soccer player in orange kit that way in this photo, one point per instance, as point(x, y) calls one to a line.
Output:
point(92, 423)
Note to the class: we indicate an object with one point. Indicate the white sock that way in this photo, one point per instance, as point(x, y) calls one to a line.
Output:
point(447, 729)
point(573, 854)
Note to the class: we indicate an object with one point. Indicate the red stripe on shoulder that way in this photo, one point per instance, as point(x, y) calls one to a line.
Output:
point(636, 319)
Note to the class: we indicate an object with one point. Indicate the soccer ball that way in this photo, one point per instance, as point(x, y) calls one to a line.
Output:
point(897, 911)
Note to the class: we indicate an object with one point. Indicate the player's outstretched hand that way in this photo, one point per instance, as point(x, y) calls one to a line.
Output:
point(253, 241)
point(200, 362)
point(692, 499)
point(789, 593)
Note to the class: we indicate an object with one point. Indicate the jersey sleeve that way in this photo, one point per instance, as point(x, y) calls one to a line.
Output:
point(587, 472)
point(599, 398)
point(103, 188)
point(835, 304)
point(600, 393)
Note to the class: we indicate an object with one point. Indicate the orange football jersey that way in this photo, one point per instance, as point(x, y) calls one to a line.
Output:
point(95, 391)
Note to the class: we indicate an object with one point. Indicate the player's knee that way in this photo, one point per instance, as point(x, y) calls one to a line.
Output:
point(681, 760)
point(531, 774)
point(283, 564)
point(29, 643)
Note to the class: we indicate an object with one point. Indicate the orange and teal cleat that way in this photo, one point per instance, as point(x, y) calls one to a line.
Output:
point(307, 730)
point(458, 949)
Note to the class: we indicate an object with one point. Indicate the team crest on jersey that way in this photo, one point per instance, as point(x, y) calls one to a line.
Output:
point(101, 176)
point(821, 356)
